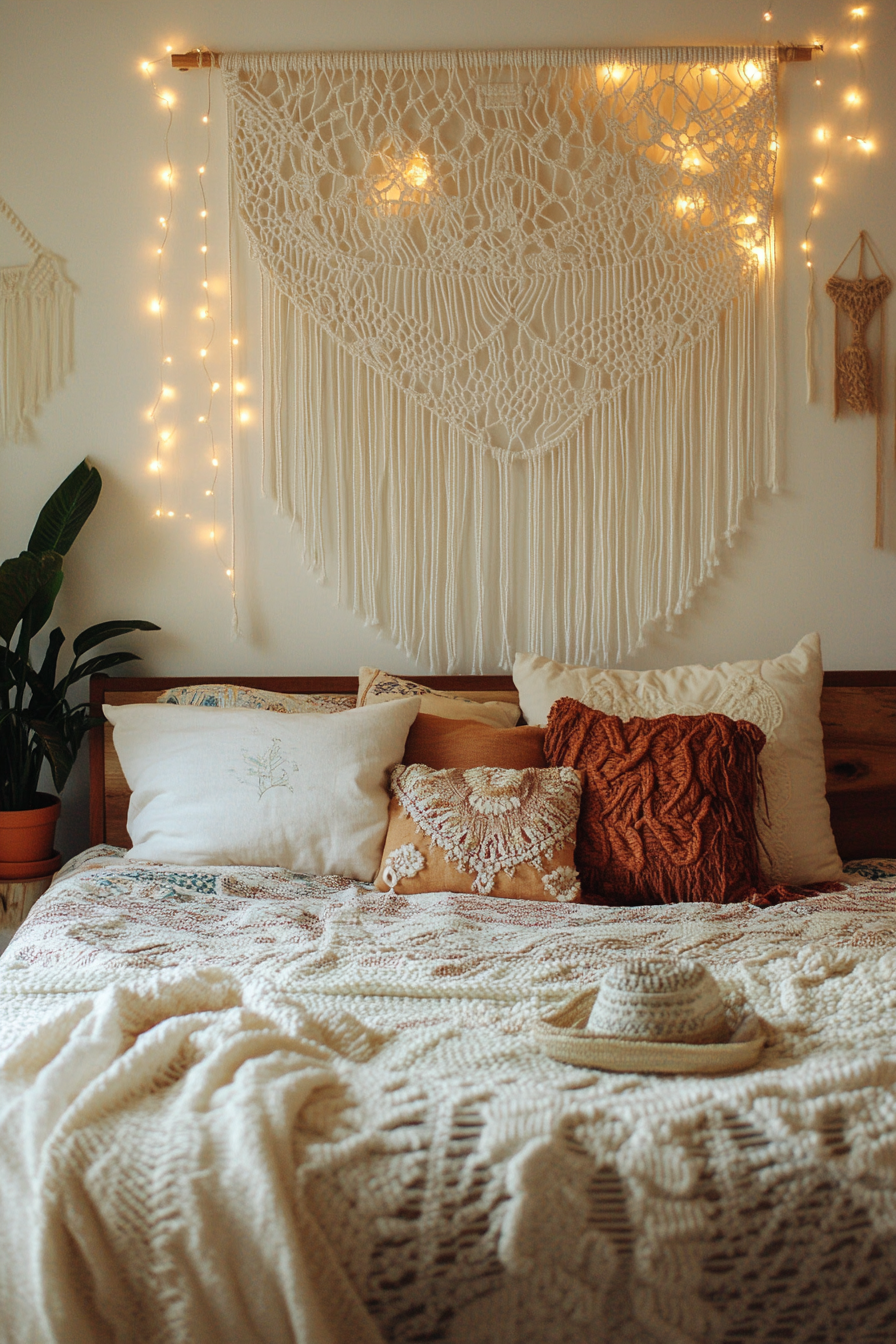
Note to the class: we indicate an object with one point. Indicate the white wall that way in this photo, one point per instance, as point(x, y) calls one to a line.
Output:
point(80, 151)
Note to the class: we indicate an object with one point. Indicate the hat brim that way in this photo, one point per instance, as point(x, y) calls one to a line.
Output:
point(559, 1035)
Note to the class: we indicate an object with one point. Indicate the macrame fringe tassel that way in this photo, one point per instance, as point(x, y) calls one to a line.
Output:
point(36, 340)
point(462, 559)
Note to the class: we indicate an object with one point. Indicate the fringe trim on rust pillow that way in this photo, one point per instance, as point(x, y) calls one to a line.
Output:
point(667, 804)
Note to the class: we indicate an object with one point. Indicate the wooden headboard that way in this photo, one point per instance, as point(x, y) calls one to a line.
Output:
point(858, 711)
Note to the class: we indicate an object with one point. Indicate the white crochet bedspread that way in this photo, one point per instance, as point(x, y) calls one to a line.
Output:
point(237, 1105)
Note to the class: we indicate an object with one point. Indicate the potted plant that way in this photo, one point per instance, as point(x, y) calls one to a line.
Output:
point(37, 722)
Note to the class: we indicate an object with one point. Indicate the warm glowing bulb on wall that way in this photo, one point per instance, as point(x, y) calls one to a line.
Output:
point(166, 175)
point(203, 248)
point(208, 492)
point(145, 67)
point(235, 341)
point(202, 354)
point(203, 214)
point(818, 181)
point(202, 170)
point(749, 219)
point(240, 387)
point(167, 391)
point(866, 144)
point(211, 536)
point(852, 98)
point(214, 462)
point(818, 83)
point(205, 119)
point(165, 435)
point(752, 71)
point(244, 417)
point(767, 16)
point(804, 246)
point(170, 513)
point(205, 284)
point(229, 573)
point(858, 13)
point(155, 306)
point(853, 46)
point(203, 312)
point(162, 220)
point(821, 134)
point(155, 466)
point(215, 386)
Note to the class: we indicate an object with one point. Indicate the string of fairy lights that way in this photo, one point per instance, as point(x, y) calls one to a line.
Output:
point(166, 426)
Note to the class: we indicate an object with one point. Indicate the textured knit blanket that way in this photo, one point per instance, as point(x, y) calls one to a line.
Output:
point(238, 1105)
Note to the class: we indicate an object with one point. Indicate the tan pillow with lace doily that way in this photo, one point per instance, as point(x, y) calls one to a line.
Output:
point(486, 830)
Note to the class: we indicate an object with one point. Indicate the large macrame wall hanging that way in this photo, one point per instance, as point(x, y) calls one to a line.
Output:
point(858, 377)
point(518, 330)
point(37, 305)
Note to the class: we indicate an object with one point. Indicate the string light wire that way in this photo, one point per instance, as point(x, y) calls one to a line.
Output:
point(158, 304)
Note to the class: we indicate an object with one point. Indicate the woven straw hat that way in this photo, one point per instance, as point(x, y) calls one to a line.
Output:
point(652, 1016)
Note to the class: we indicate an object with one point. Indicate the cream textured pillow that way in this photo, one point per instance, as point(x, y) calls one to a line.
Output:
point(307, 792)
point(373, 684)
point(780, 695)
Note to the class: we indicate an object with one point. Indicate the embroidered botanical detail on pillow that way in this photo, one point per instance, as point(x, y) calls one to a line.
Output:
point(871, 870)
point(222, 695)
point(486, 830)
point(668, 803)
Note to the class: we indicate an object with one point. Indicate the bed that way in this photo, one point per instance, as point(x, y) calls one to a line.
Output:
point(244, 1104)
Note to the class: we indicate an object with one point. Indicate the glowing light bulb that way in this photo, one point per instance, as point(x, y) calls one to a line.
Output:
point(749, 219)
point(818, 83)
point(852, 98)
point(202, 354)
point(804, 246)
point(236, 340)
point(866, 144)
point(208, 492)
point(170, 513)
point(145, 67)
point(155, 306)
point(858, 13)
point(167, 391)
point(240, 387)
point(203, 248)
point(202, 170)
point(767, 16)
point(853, 46)
point(205, 119)
point(205, 284)
point(203, 214)
point(165, 435)
point(155, 466)
point(818, 181)
point(214, 462)
point(215, 386)
point(211, 536)
point(202, 419)
point(169, 48)
point(773, 146)
point(158, 513)
point(821, 134)
point(203, 312)
point(849, 137)
point(158, 251)
point(244, 417)
point(166, 175)
point(229, 573)
point(752, 71)
point(162, 220)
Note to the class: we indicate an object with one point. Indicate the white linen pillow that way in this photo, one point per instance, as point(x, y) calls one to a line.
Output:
point(780, 695)
point(308, 792)
point(376, 685)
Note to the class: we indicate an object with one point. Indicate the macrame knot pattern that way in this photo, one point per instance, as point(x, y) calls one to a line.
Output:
point(517, 330)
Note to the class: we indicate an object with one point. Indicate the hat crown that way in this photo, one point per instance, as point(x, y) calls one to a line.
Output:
point(647, 999)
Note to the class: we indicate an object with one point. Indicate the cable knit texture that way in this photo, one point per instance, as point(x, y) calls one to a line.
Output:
point(238, 1106)
point(667, 804)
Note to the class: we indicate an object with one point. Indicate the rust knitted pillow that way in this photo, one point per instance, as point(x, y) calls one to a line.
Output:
point(667, 804)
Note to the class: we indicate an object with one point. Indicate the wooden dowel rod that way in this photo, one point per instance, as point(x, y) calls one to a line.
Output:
point(195, 60)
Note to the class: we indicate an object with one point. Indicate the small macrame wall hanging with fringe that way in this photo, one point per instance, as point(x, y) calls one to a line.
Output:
point(37, 307)
point(858, 373)
point(518, 335)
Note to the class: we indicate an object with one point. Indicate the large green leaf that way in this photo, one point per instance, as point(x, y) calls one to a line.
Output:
point(56, 750)
point(100, 664)
point(67, 510)
point(20, 580)
point(40, 608)
point(97, 634)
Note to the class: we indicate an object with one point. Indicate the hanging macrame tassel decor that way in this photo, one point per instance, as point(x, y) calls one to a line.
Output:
point(37, 304)
point(857, 378)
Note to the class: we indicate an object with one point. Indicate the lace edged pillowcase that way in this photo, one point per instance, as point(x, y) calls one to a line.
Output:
point(486, 830)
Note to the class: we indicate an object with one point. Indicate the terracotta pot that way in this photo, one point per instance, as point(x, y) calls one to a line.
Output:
point(26, 837)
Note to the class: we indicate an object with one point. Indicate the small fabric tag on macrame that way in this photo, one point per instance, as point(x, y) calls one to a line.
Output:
point(36, 332)
point(857, 375)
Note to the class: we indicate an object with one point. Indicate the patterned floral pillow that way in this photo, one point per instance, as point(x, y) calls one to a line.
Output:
point(374, 684)
point(871, 870)
point(224, 696)
point(487, 830)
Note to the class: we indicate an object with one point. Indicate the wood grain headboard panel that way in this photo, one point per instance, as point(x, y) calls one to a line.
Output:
point(858, 711)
